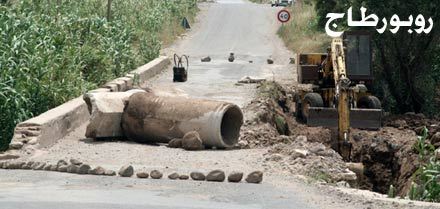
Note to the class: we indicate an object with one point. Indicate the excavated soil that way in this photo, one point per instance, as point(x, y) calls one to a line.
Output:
point(387, 155)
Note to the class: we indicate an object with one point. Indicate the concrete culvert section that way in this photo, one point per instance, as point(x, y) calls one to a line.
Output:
point(231, 124)
point(151, 118)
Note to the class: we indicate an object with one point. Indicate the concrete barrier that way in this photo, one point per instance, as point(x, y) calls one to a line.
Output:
point(49, 127)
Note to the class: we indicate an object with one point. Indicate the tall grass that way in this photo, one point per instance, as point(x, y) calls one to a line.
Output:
point(302, 34)
point(50, 52)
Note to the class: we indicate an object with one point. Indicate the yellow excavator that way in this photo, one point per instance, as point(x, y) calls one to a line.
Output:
point(338, 84)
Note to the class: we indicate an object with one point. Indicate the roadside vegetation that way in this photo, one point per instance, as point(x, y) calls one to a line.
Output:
point(53, 51)
point(302, 34)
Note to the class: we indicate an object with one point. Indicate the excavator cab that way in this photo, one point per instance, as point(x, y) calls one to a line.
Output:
point(318, 104)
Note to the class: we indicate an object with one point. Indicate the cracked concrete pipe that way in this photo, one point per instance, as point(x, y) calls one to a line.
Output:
point(151, 118)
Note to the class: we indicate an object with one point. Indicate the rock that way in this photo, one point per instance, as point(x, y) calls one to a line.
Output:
point(255, 177)
point(8, 156)
point(142, 175)
point(5, 165)
point(235, 176)
point(184, 177)
point(357, 168)
point(275, 157)
point(175, 143)
point(126, 171)
point(231, 57)
point(110, 173)
point(301, 138)
point(72, 168)
point(343, 184)
point(16, 145)
point(348, 176)
point(292, 60)
point(62, 163)
point(40, 166)
point(97, 171)
point(28, 165)
point(47, 167)
point(53, 168)
point(15, 165)
point(435, 139)
point(251, 79)
point(155, 174)
point(75, 162)
point(318, 149)
point(206, 59)
point(33, 141)
point(216, 175)
point(299, 153)
point(399, 123)
point(106, 110)
point(84, 169)
point(192, 141)
point(197, 176)
point(173, 176)
point(62, 168)
point(270, 61)
point(437, 154)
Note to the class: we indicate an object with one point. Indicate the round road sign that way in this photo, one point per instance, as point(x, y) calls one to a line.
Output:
point(284, 16)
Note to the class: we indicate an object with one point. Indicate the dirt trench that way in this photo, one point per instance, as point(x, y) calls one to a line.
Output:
point(387, 155)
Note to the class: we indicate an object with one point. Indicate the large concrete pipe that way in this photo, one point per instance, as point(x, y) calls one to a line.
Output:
point(151, 118)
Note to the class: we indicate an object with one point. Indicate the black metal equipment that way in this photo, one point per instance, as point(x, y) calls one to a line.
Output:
point(180, 72)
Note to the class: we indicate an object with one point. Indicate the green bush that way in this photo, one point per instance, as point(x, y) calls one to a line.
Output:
point(51, 53)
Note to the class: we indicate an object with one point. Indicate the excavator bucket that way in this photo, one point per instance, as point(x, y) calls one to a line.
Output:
point(359, 118)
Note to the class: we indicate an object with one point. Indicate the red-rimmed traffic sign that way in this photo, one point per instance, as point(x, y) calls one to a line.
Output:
point(284, 16)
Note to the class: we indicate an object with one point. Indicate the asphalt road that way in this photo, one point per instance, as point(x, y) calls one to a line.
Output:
point(20, 190)
point(229, 26)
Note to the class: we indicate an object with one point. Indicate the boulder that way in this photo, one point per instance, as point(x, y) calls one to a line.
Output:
point(235, 176)
point(269, 61)
point(216, 175)
point(84, 169)
point(126, 171)
point(231, 57)
point(192, 141)
point(62, 168)
point(184, 177)
point(71, 168)
point(40, 166)
point(251, 79)
point(106, 112)
point(299, 153)
point(435, 139)
point(175, 143)
point(16, 145)
point(75, 162)
point(206, 59)
point(48, 167)
point(110, 173)
point(255, 177)
point(97, 171)
point(173, 176)
point(53, 168)
point(155, 174)
point(197, 176)
point(142, 175)
point(61, 163)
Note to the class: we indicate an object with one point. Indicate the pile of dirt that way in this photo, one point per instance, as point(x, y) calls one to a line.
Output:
point(292, 146)
point(387, 155)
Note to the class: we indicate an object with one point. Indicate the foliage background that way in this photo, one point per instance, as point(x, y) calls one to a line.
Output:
point(53, 51)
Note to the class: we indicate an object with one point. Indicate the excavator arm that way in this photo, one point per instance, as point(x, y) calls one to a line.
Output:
point(342, 85)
